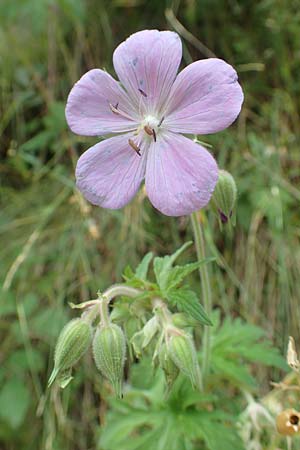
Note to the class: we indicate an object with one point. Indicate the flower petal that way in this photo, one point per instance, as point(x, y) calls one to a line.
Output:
point(88, 110)
point(180, 175)
point(205, 98)
point(109, 174)
point(146, 64)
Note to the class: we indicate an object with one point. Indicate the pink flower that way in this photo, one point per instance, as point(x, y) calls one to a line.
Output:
point(147, 112)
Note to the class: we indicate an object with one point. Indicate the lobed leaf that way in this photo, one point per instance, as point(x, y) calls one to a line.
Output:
point(162, 265)
point(187, 301)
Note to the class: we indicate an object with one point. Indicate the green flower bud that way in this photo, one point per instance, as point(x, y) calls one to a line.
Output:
point(109, 349)
point(131, 326)
point(72, 343)
point(224, 196)
point(171, 371)
point(137, 343)
point(183, 353)
point(142, 339)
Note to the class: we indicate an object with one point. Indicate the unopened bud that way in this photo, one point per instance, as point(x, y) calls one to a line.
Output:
point(142, 339)
point(72, 343)
point(183, 353)
point(224, 196)
point(171, 371)
point(288, 422)
point(109, 349)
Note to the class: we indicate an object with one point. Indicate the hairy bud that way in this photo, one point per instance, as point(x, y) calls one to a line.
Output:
point(171, 371)
point(72, 343)
point(142, 339)
point(224, 196)
point(109, 349)
point(183, 353)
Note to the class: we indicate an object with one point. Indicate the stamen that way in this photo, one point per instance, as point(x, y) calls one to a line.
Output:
point(148, 130)
point(142, 92)
point(161, 121)
point(114, 109)
point(134, 146)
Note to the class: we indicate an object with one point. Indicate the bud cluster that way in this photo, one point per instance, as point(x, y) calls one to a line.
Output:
point(162, 334)
point(108, 342)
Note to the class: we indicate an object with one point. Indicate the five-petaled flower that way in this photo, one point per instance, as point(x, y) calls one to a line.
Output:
point(148, 111)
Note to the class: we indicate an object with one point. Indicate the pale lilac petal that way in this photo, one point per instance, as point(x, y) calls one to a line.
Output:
point(180, 175)
point(146, 64)
point(109, 174)
point(88, 110)
point(205, 98)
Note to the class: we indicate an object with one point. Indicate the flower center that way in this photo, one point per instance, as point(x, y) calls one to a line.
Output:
point(151, 122)
point(150, 126)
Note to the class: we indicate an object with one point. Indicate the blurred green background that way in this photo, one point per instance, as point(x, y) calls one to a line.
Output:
point(56, 248)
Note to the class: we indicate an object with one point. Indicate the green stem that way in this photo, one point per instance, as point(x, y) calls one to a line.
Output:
point(104, 314)
point(91, 313)
point(120, 289)
point(206, 290)
point(100, 305)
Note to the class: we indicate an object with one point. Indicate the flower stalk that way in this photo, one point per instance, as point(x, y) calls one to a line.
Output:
point(103, 309)
point(206, 290)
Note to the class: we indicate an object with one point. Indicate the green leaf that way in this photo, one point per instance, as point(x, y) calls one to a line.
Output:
point(237, 344)
point(187, 301)
point(162, 265)
point(209, 426)
point(178, 273)
point(235, 337)
point(219, 436)
point(144, 420)
point(128, 273)
point(14, 402)
point(142, 268)
point(234, 370)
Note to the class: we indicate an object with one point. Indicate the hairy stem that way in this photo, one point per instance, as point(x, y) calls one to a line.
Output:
point(206, 290)
point(100, 305)
point(120, 289)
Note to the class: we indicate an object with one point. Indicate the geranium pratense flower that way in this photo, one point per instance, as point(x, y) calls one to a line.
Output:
point(148, 111)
